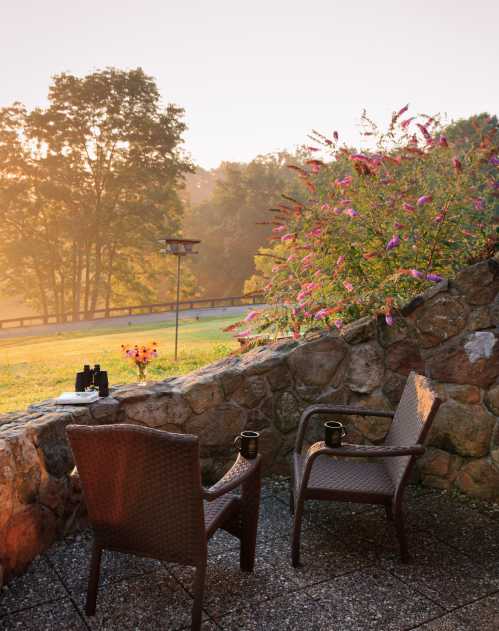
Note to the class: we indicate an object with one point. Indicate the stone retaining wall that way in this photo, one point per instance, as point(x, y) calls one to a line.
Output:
point(449, 333)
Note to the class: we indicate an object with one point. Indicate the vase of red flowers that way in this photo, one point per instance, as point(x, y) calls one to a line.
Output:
point(141, 356)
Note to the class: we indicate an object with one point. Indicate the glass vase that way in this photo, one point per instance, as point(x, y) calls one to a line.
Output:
point(141, 374)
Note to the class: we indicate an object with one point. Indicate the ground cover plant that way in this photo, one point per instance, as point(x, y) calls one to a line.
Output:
point(33, 369)
point(379, 226)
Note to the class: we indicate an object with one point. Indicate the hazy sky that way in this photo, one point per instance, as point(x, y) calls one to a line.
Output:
point(256, 76)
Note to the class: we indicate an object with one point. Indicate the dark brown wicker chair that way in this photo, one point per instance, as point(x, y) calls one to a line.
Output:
point(144, 496)
point(378, 479)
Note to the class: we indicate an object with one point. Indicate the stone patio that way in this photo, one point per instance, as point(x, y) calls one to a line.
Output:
point(351, 578)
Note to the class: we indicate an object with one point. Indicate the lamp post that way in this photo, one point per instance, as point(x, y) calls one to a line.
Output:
point(179, 248)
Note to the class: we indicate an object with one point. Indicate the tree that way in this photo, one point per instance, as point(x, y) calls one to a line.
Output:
point(231, 223)
point(87, 185)
point(467, 132)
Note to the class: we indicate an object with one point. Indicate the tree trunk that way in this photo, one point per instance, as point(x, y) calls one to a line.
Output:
point(109, 280)
point(78, 258)
point(87, 280)
point(55, 293)
point(97, 276)
point(42, 291)
point(62, 296)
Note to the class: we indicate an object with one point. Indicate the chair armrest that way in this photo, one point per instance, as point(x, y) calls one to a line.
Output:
point(324, 408)
point(241, 471)
point(363, 451)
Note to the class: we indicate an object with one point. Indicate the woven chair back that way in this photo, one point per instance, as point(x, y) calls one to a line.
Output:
point(142, 489)
point(411, 422)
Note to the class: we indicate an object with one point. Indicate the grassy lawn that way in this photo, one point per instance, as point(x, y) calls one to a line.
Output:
point(37, 368)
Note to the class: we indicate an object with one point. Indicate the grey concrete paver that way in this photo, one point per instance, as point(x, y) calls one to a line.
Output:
point(482, 615)
point(40, 584)
point(373, 599)
point(228, 589)
point(351, 578)
point(59, 614)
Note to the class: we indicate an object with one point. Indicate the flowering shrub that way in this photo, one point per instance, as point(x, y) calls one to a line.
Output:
point(377, 227)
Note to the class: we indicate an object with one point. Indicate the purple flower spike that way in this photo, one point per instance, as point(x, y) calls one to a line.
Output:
point(479, 203)
point(321, 314)
point(416, 273)
point(389, 319)
point(495, 161)
point(251, 316)
point(434, 277)
point(351, 212)
point(393, 243)
point(408, 207)
point(424, 199)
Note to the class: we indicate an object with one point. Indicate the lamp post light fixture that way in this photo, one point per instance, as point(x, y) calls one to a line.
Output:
point(179, 248)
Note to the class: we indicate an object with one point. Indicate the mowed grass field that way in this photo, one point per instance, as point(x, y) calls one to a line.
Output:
point(37, 368)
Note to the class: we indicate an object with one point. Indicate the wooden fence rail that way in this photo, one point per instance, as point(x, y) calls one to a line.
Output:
point(113, 312)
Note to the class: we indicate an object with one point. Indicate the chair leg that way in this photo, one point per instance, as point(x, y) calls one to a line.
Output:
point(291, 502)
point(295, 544)
point(93, 580)
point(248, 546)
point(197, 607)
point(250, 505)
point(401, 536)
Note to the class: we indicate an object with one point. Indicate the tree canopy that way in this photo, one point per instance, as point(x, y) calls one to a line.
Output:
point(87, 185)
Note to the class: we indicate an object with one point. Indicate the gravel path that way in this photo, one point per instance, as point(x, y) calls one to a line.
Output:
point(52, 329)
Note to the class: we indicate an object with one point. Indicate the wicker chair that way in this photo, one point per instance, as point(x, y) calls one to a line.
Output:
point(144, 496)
point(381, 476)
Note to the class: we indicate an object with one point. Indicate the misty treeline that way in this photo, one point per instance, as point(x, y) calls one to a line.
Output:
point(232, 221)
point(87, 186)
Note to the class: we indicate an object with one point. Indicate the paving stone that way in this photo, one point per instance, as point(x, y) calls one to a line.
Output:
point(71, 560)
point(442, 573)
point(221, 542)
point(294, 612)
point(330, 513)
point(323, 556)
point(375, 528)
point(482, 615)
point(227, 588)
point(373, 599)
point(39, 584)
point(351, 578)
point(358, 532)
point(274, 520)
point(276, 485)
point(152, 601)
point(474, 533)
point(60, 614)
